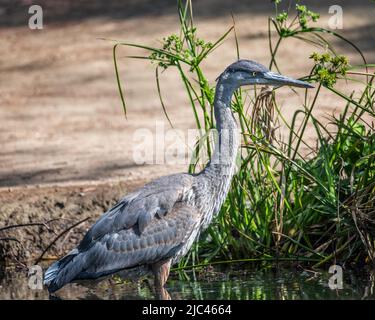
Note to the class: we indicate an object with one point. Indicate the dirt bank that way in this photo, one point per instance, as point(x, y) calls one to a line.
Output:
point(60, 112)
point(56, 209)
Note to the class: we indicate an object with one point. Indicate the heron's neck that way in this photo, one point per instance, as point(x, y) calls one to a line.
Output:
point(221, 168)
point(225, 152)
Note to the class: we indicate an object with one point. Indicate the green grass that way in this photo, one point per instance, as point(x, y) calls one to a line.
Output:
point(284, 204)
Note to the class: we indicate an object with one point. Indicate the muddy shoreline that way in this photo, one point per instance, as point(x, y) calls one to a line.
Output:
point(55, 209)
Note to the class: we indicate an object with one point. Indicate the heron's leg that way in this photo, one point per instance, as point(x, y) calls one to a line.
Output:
point(161, 273)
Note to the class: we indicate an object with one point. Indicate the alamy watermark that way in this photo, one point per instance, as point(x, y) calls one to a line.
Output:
point(336, 281)
point(36, 19)
point(174, 146)
point(35, 277)
point(336, 20)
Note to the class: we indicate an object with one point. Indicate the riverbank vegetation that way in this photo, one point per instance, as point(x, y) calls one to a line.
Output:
point(291, 200)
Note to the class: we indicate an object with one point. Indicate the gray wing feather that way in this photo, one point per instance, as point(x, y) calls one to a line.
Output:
point(139, 208)
point(160, 240)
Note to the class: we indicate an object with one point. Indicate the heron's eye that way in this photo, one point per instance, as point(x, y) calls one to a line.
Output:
point(254, 74)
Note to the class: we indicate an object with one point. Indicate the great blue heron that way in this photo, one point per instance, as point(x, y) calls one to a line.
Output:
point(152, 228)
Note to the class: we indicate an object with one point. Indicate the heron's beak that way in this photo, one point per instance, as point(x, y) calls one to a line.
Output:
point(280, 80)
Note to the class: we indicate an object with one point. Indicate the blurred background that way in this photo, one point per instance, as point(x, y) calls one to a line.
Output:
point(62, 122)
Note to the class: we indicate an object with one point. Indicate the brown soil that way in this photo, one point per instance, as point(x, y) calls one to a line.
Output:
point(66, 149)
point(57, 208)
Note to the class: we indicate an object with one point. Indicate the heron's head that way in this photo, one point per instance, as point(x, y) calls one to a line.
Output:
point(247, 72)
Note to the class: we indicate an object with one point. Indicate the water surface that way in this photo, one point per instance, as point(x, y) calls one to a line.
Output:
point(251, 284)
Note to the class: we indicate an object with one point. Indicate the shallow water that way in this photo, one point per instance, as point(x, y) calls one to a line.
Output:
point(252, 284)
